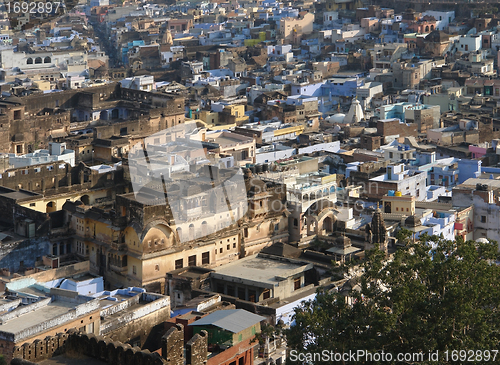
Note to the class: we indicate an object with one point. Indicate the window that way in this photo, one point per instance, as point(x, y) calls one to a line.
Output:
point(234, 244)
point(483, 219)
point(252, 295)
point(134, 270)
point(192, 260)
point(157, 267)
point(296, 284)
point(179, 264)
point(277, 227)
point(220, 251)
point(205, 258)
point(266, 294)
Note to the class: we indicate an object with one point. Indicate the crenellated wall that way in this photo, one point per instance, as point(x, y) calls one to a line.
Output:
point(77, 344)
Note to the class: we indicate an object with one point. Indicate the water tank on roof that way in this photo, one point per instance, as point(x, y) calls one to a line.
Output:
point(398, 193)
point(390, 193)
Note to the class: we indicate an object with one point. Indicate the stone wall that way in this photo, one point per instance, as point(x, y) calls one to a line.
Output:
point(173, 347)
point(41, 349)
point(24, 252)
point(77, 344)
point(394, 127)
point(138, 326)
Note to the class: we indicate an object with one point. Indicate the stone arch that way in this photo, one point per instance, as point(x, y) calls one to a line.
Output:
point(38, 60)
point(29, 61)
point(85, 199)
point(192, 232)
point(47, 60)
point(328, 224)
point(426, 28)
point(51, 207)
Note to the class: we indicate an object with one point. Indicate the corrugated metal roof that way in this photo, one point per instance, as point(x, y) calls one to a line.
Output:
point(233, 320)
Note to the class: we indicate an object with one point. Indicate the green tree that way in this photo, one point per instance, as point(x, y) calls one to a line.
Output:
point(433, 295)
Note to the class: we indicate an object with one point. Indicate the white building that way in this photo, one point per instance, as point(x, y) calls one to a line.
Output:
point(74, 81)
point(280, 52)
point(274, 152)
point(41, 60)
point(480, 194)
point(408, 182)
point(366, 92)
point(56, 152)
point(443, 18)
point(469, 43)
point(144, 82)
point(330, 17)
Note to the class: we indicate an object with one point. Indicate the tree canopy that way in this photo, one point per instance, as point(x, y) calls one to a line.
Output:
point(432, 296)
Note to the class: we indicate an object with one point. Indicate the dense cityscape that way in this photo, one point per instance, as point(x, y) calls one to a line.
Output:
point(249, 182)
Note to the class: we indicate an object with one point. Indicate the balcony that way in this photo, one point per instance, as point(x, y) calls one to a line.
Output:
point(119, 269)
point(118, 246)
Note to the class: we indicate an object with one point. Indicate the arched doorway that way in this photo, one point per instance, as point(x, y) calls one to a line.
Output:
point(85, 199)
point(51, 207)
point(328, 225)
point(191, 231)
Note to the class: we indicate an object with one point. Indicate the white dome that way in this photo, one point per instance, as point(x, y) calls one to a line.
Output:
point(337, 118)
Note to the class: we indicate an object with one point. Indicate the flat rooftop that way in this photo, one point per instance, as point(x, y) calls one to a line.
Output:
point(259, 269)
point(51, 311)
point(16, 194)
